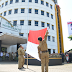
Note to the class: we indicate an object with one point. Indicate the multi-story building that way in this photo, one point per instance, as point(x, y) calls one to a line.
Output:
point(34, 15)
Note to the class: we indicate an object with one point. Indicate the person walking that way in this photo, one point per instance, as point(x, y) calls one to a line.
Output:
point(43, 52)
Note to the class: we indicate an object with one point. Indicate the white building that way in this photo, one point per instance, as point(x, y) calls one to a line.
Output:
point(32, 15)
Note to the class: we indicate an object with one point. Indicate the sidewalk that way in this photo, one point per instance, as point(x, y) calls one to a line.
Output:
point(13, 67)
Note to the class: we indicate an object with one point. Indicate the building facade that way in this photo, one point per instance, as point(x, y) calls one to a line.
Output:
point(32, 15)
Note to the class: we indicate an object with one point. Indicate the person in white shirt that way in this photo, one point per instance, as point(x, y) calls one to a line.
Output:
point(7, 56)
point(1, 54)
point(67, 57)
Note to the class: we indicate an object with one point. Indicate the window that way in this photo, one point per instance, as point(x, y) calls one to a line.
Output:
point(14, 23)
point(53, 50)
point(21, 22)
point(52, 27)
point(53, 39)
point(1, 14)
point(47, 4)
point(29, 22)
point(48, 38)
point(4, 13)
point(36, 1)
point(36, 23)
point(15, 11)
point(22, 10)
point(48, 25)
point(23, 0)
point(3, 5)
point(42, 12)
point(17, 1)
point(36, 11)
point(10, 11)
point(11, 1)
point(49, 50)
point(30, 0)
point(42, 2)
point(47, 14)
point(51, 6)
point(29, 10)
point(6, 3)
point(42, 24)
point(51, 16)
point(21, 34)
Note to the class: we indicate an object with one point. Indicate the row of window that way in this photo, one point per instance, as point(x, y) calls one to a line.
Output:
point(36, 1)
point(50, 51)
point(49, 37)
point(36, 23)
point(29, 11)
point(53, 38)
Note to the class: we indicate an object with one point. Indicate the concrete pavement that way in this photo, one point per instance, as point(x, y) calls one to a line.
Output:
point(13, 67)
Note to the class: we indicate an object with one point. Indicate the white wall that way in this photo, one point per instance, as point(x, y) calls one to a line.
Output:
point(33, 17)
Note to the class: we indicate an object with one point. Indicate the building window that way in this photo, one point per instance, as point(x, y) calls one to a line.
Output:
point(49, 50)
point(53, 39)
point(47, 14)
point(30, 0)
point(21, 22)
point(11, 1)
point(1, 14)
point(15, 11)
point(3, 5)
point(6, 3)
point(36, 11)
point(10, 11)
point(36, 23)
point(14, 23)
point(42, 2)
point(51, 6)
point(36, 1)
point(48, 25)
point(4, 13)
point(29, 22)
point(52, 27)
point(21, 34)
point(17, 1)
point(48, 38)
point(51, 16)
point(47, 4)
point(42, 24)
point(29, 10)
point(42, 12)
point(53, 50)
point(23, 0)
point(22, 10)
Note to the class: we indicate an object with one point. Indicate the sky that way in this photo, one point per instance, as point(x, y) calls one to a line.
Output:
point(66, 15)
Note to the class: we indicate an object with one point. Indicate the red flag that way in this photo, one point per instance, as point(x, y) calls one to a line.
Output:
point(33, 35)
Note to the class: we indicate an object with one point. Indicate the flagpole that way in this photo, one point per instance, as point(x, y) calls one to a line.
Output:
point(27, 33)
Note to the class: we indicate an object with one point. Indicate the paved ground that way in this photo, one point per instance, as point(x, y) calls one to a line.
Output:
point(13, 67)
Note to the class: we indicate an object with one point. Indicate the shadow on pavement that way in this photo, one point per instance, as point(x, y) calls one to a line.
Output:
point(31, 70)
point(8, 62)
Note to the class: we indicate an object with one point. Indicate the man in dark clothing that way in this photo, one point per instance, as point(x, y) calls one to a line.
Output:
point(62, 55)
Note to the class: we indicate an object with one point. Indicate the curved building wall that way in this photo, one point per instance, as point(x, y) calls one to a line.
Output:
point(32, 17)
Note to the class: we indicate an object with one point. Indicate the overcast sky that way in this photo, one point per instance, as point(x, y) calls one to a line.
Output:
point(66, 15)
